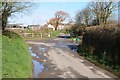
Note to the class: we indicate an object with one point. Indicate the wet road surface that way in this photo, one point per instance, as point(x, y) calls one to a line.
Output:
point(57, 58)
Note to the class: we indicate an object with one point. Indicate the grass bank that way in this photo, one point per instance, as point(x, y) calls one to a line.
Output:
point(0, 56)
point(16, 59)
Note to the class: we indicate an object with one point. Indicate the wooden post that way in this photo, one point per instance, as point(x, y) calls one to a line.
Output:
point(41, 35)
point(49, 34)
point(32, 34)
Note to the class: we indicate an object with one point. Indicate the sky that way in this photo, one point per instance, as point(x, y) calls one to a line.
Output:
point(43, 11)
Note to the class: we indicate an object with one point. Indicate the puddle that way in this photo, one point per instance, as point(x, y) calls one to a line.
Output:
point(61, 45)
point(46, 69)
point(43, 49)
point(38, 68)
point(74, 50)
point(33, 54)
point(40, 53)
point(73, 47)
point(30, 49)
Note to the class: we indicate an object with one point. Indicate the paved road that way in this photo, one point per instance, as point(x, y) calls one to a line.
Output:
point(59, 58)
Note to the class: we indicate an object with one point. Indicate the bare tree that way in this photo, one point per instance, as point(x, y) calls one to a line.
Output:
point(86, 15)
point(79, 17)
point(0, 17)
point(102, 11)
point(9, 8)
point(60, 16)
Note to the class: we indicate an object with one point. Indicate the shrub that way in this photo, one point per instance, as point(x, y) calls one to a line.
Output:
point(106, 42)
point(77, 30)
point(11, 34)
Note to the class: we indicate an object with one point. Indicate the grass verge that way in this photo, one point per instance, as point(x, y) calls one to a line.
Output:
point(0, 56)
point(16, 59)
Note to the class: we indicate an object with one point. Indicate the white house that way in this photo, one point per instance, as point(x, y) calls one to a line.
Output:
point(51, 26)
point(61, 26)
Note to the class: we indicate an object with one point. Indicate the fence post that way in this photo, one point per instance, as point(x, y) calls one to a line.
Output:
point(41, 35)
point(32, 34)
point(49, 34)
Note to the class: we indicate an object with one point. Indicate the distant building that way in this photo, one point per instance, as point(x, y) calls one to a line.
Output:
point(61, 26)
point(34, 27)
point(51, 26)
point(15, 26)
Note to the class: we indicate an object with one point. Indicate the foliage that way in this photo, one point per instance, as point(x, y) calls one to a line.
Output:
point(102, 11)
point(9, 8)
point(83, 16)
point(11, 34)
point(60, 16)
point(16, 60)
point(79, 17)
point(86, 16)
point(0, 56)
point(103, 42)
point(86, 51)
point(76, 30)
point(96, 13)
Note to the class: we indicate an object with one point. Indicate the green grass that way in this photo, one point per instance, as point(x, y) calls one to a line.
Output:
point(0, 56)
point(16, 59)
point(53, 34)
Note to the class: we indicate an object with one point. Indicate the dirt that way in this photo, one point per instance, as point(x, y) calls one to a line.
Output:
point(61, 62)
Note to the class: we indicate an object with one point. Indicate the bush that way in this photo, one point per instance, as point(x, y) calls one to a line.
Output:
point(76, 30)
point(106, 43)
point(11, 34)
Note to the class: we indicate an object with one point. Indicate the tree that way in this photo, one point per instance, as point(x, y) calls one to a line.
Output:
point(60, 16)
point(9, 8)
point(86, 15)
point(102, 11)
point(79, 17)
point(83, 17)
point(78, 27)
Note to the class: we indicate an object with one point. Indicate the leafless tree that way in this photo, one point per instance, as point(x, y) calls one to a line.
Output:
point(79, 17)
point(86, 15)
point(9, 8)
point(102, 11)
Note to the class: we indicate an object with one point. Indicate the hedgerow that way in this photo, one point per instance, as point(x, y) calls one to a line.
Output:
point(104, 42)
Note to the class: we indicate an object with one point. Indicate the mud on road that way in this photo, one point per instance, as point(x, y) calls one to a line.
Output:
point(57, 58)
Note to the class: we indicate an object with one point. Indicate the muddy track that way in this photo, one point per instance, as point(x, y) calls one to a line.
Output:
point(57, 58)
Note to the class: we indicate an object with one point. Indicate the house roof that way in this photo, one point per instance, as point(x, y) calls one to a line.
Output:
point(33, 25)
